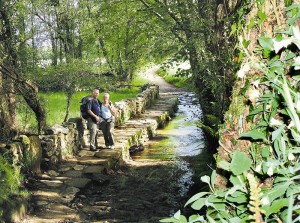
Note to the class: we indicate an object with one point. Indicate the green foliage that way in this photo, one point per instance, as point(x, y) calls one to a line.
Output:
point(9, 184)
point(171, 77)
point(55, 105)
point(264, 188)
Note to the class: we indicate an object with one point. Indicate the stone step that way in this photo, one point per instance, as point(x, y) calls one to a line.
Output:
point(57, 188)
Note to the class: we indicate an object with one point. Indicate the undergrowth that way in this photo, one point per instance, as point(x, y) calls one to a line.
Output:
point(263, 183)
point(10, 184)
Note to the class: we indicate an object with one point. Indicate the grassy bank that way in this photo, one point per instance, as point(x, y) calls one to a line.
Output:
point(169, 74)
point(55, 104)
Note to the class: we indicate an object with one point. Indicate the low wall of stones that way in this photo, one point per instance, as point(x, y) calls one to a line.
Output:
point(31, 153)
point(35, 152)
point(125, 109)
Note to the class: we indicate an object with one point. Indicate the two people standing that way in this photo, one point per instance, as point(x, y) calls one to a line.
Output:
point(101, 114)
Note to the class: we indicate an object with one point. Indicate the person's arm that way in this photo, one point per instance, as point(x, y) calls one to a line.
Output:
point(92, 114)
point(112, 108)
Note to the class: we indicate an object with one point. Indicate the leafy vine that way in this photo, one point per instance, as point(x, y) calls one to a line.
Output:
point(263, 185)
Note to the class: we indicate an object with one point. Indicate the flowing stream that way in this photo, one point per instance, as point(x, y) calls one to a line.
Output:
point(179, 141)
point(158, 181)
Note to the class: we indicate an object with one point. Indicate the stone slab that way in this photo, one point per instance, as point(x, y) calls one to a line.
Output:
point(52, 183)
point(94, 169)
point(78, 182)
point(86, 153)
point(72, 174)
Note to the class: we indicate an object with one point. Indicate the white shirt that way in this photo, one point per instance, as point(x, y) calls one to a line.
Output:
point(105, 112)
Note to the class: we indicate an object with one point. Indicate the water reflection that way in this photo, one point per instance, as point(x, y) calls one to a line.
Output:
point(181, 138)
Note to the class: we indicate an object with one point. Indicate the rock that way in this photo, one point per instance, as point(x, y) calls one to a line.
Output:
point(86, 153)
point(79, 167)
point(70, 192)
point(16, 149)
point(53, 160)
point(72, 174)
point(42, 203)
point(94, 169)
point(53, 173)
point(78, 182)
point(45, 176)
point(33, 154)
point(136, 148)
point(52, 183)
point(64, 168)
point(56, 129)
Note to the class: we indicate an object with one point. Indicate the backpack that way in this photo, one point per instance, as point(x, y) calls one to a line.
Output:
point(83, 106)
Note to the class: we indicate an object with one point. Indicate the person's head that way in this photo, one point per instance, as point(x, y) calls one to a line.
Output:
point(106, 97)
point(95, 93)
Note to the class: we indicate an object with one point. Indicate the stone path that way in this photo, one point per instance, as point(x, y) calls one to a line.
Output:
point(53, 192)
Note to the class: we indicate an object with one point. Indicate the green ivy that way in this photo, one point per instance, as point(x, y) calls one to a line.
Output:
point(264, 188)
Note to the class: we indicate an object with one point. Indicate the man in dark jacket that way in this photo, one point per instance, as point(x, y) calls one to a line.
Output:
point(93, 109)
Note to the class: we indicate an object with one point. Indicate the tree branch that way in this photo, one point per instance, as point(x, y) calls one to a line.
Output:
point(160, 17)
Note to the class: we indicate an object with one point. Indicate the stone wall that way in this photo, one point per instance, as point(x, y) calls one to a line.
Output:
point(25, 153)
point(59, 142)
point(35, 152)
point(125, 109)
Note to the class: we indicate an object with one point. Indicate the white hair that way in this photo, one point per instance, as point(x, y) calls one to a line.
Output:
point(95, 90)
point(106, 94)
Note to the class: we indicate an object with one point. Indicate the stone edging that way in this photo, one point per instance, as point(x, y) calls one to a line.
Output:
point(33, 153)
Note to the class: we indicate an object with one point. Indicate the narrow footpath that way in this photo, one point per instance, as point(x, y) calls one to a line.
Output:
point(91, 187)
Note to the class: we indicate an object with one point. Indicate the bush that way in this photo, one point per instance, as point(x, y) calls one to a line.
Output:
point(10, 184)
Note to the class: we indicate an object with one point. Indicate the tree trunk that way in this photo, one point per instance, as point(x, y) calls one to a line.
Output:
point(30, 94)
point(6, 121)
point(105, 54)
point(7, 37)
point(69, 97)
point(54, 49)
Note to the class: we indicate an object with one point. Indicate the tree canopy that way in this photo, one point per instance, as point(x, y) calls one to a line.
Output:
point(58, 45)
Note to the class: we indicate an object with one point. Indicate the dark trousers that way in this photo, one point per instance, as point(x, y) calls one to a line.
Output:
point(108, 132)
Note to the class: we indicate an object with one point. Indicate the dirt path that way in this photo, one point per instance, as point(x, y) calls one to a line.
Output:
point(164, 87)
point(143, 191)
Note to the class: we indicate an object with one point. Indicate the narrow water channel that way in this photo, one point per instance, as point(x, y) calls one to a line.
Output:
point(156, 183)
point(181, 136)
point(180, 141)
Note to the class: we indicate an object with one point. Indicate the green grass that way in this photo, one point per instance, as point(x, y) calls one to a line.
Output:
point(55, 104)
point(139, 81)
point(170, 76)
